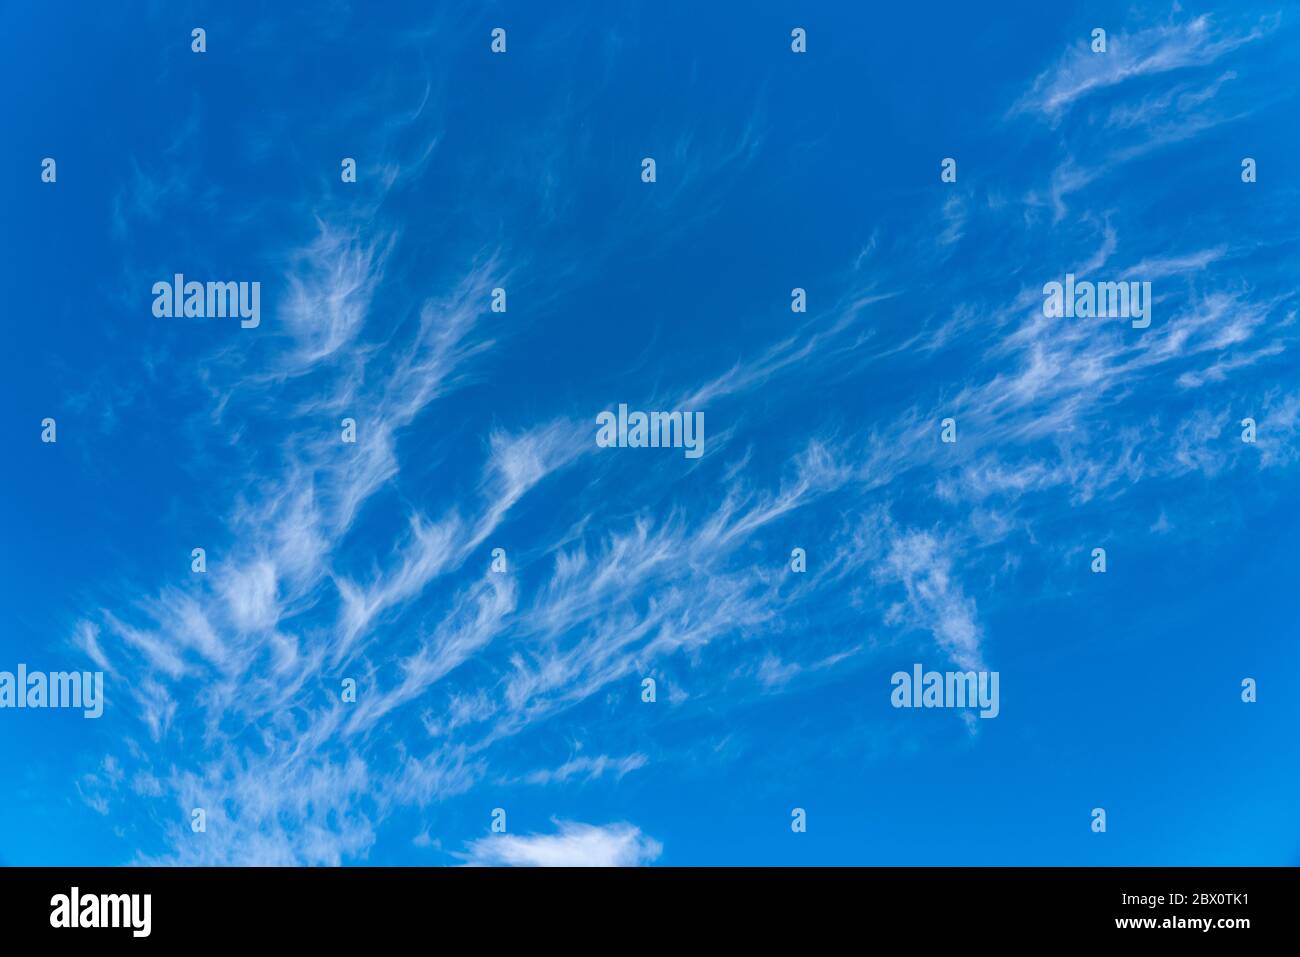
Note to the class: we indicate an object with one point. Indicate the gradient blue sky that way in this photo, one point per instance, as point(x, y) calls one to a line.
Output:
point(477, 430)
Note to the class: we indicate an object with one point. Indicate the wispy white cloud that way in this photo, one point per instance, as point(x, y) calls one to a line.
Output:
point(1144, 52)
point(588, 768)
point(934, 598)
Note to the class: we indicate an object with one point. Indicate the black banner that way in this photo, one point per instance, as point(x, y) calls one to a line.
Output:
point(583, 907)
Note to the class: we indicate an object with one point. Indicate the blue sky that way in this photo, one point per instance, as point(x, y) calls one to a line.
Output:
point(476, 430)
